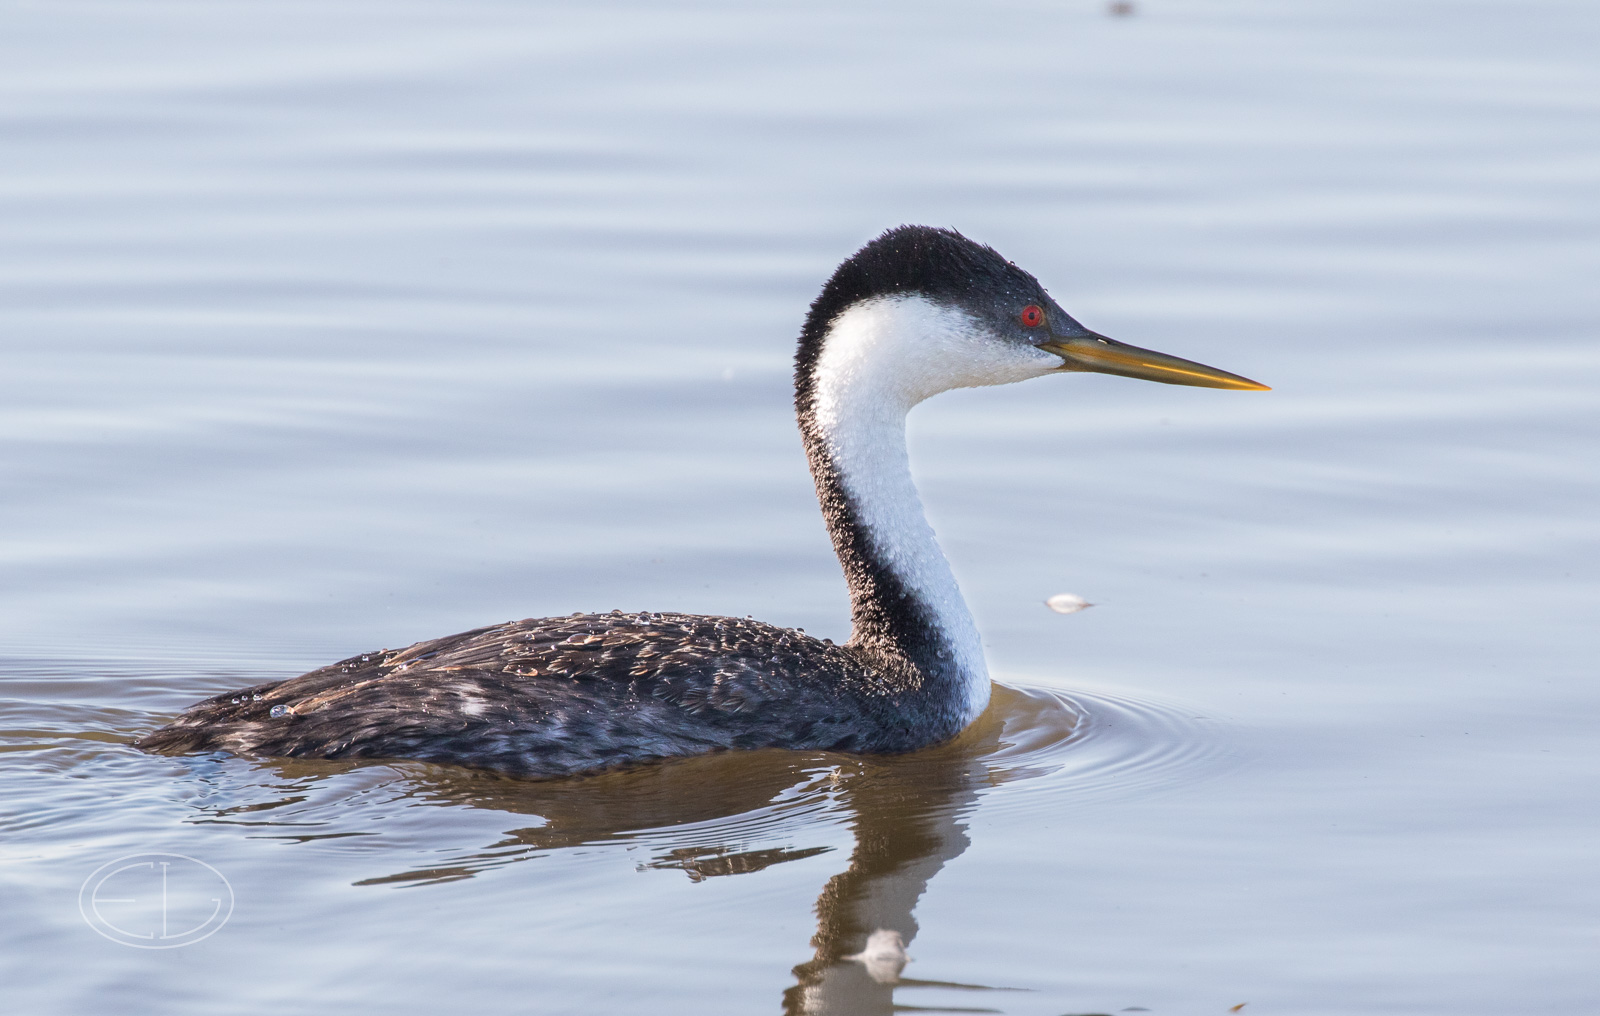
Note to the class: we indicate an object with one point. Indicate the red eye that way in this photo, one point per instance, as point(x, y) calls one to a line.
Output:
point(1032, 315)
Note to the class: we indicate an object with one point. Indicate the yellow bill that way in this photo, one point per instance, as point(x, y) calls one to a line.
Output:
point(1097, 353)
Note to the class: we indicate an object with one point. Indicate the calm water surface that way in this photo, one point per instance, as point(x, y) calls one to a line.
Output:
point(333, 326)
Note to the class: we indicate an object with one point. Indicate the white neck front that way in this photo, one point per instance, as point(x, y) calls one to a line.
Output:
point(881, 358)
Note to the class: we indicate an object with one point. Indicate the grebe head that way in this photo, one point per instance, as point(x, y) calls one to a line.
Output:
point(916, 312)
point(921, 310)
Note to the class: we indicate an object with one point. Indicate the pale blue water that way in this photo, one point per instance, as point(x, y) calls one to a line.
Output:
point(326, 327)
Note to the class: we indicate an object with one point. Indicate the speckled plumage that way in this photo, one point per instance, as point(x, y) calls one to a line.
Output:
point(551, 696)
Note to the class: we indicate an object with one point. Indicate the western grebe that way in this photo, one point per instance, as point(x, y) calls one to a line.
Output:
point(915, 312)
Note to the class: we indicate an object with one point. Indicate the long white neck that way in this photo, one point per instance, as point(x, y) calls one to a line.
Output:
point(866, 440)
point(882, 357)
point(876, 360)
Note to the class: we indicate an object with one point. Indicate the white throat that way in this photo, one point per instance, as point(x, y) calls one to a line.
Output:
point(881, 358)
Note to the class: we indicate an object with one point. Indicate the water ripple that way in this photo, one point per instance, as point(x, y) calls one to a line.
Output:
point(1096, 743)
point(1035, 748)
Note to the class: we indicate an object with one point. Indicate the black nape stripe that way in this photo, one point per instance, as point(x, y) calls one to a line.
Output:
point(889, 619)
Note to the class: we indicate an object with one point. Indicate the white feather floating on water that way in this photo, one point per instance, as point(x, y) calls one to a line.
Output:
point(1066, 603)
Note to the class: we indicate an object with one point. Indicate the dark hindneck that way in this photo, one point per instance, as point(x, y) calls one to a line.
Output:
point(906, 609)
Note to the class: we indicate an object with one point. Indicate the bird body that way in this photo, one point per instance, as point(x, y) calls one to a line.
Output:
point(916, 312)
point(558, 695)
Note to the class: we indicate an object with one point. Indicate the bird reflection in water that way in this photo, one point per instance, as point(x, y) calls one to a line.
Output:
point(908, 816)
